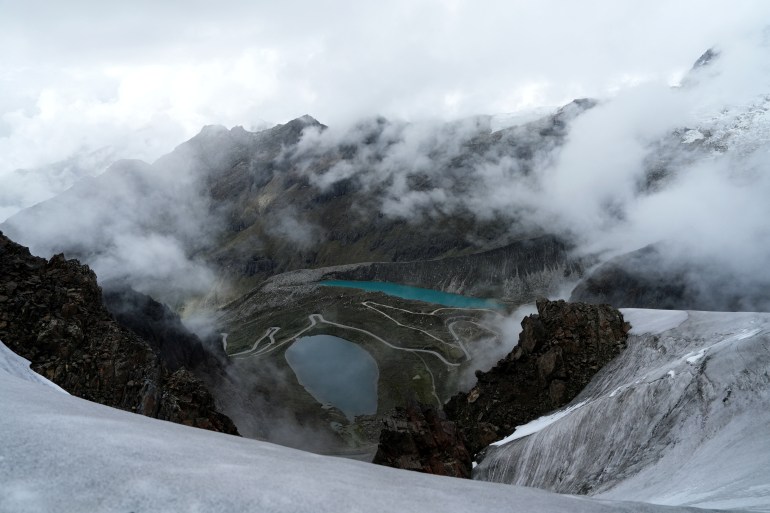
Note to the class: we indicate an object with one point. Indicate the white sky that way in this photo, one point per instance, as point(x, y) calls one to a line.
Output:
point(143, 76)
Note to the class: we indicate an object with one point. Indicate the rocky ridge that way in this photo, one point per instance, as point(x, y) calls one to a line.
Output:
point(559, 351)
point(51, 313)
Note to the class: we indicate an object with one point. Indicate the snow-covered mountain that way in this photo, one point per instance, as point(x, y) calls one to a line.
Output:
point(64, 454)
point(680, 417)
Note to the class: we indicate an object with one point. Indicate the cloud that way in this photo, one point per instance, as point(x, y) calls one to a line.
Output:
point(486, 353)
point(153, 263)
point(139, 79)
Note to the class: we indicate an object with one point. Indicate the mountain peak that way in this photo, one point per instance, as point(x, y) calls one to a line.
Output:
point(290, 132)
point(213, 129)
point(307, 119)
point(706, 59)
point(303, 122)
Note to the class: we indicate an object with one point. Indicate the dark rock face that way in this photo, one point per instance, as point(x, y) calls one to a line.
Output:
point(420, 438)
point(706, 59)
point(51, 313)
point(559, 351)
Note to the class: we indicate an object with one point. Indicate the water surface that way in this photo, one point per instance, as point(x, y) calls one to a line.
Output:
point(417, 293)
point(336, 372)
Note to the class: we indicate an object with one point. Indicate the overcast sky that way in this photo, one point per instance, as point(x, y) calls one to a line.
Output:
point(143, 76)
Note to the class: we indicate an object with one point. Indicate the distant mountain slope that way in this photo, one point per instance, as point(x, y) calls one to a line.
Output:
point(242, 206)
point(651, 278)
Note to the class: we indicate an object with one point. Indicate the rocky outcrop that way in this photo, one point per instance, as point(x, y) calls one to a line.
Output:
point(186, 400)
point(420, 438)
point(51, 313)
point(559, 351)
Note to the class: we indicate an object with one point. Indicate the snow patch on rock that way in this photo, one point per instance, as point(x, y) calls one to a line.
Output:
point(538, 424)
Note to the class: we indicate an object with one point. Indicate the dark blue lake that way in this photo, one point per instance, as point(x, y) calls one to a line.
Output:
point(337, 372)
point(417, 293)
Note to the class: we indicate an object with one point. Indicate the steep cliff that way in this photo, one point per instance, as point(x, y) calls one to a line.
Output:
point(159, 326)
point(560, 350)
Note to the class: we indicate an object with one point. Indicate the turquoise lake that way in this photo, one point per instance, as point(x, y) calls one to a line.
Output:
point(336, 372)
point(416, 293)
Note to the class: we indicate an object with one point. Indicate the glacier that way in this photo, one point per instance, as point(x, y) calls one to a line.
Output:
point(680, 417)
point(61, 453)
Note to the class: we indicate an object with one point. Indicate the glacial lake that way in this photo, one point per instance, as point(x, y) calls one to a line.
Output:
point(336, 372)
point(417, 294)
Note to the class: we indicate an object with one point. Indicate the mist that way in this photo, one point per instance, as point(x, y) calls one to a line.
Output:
point(667, 153)
point(137, 224)
point(487, 352)
point(683, 166)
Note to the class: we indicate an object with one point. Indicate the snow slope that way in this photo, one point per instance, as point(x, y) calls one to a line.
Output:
point(680, 417)
point(15, 365)
point(60, 453)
